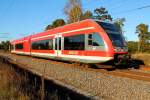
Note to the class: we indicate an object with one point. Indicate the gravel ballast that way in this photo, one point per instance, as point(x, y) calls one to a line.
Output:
point(95, 83)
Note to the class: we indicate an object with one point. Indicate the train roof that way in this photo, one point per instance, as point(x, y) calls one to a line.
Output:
point(75, 25)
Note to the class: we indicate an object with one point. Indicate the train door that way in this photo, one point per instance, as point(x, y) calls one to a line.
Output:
point(58, 42)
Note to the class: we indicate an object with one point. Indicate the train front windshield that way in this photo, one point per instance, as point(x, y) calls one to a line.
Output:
point(114, 34)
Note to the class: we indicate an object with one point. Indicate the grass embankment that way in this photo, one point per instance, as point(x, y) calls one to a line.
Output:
point(145, 57)
point(16, 85)
point(10, 84)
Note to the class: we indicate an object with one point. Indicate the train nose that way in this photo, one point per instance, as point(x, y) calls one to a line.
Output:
point(121, 49)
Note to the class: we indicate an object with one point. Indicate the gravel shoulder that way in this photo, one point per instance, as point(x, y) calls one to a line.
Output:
point(95, 83)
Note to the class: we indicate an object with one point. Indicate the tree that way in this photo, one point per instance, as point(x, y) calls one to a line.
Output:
point(132, 46)
point(5, 45)
point(119, 22)
point(88, 14)
point(102, 14)
point(75, 14)
point(56, 23)
point(73, 11)
point(143, 34)
point(48, 27)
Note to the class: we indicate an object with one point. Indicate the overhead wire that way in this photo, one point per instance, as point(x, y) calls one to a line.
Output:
point(119, 4)
point(131, 10)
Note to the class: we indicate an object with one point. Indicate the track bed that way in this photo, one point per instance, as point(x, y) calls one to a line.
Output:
point(98, 83)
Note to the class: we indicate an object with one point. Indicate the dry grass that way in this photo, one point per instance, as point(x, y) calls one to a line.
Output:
point(14, 86)
point(9, 84)
point(145, 57)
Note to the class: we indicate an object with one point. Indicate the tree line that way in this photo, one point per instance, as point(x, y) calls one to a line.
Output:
point(5, 45)
point(74, 13)
point(143, 44)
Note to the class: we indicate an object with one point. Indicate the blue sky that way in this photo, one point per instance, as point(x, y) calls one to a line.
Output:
point(19, 18)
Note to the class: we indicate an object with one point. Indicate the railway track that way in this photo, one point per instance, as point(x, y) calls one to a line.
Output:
point(118, 83)
point(132, 74)
point(126, 73)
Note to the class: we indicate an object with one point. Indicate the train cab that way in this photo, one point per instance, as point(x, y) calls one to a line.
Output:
point(118, 41)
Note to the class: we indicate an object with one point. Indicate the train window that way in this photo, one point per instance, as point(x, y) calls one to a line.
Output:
point(90, 36)
point(90, 42)
point(109, 27)
point(94, 39)
point(74, 42)
point(19, 46)
point(43, 45)
point(114, 33)
point(50, 44)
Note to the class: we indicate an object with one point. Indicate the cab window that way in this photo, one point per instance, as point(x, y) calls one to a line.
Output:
point(95, 39)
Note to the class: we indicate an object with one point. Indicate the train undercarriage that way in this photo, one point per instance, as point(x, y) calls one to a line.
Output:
point(120, 61)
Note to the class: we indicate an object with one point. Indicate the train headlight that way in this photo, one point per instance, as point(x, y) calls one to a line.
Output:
point(117, 49)
point(121, 49)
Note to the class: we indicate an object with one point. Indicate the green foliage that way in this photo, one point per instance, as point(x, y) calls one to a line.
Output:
point(5, 45)
point(119, 22)
point(75, 14)
point(88, 14)
point(56, 23)
point(146, 47)
point(102, 14)
point(144, 37)
point(48, 27)
point(133, 47)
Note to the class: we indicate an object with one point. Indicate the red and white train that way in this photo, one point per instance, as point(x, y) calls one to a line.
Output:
point(87, 41)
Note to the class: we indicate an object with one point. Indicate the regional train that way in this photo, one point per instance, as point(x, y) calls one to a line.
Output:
point(87, 41)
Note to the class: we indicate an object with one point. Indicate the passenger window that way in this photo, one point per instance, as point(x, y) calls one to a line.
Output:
point(76, 42)
point(43, 45)
point(50, 44)
point(90, 36)
point(94, 39)
point(90, 39)
point(19, 46)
